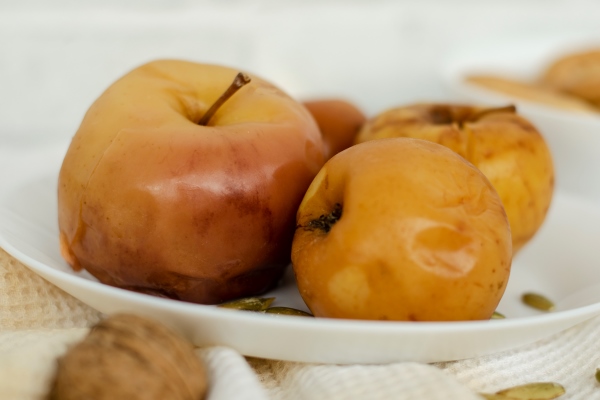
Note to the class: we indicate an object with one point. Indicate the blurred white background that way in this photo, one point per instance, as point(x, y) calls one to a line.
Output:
point(57, 56)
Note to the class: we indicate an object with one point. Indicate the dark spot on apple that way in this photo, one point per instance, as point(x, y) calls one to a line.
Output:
point(383, 269)
point(204, 220)
point(412, 317)
point(460, 225)
point(245, 203)
point(326, 221)
point(441, 115)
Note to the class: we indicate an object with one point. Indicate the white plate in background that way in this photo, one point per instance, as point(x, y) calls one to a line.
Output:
point(562, 262)
point(574, 138)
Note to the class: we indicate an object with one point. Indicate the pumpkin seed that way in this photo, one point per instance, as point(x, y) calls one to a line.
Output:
point(287, 311)
point(495, 396)
point(497, 315)
point(534, 391)
point(249, 304)
point(537, 301)
point(598, 374)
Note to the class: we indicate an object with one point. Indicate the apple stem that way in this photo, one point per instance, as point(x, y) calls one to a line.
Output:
point(510, 109)
point(326, 221)
point(239, 81)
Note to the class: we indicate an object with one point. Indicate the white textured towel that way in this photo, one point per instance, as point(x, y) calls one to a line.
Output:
point(38, 322)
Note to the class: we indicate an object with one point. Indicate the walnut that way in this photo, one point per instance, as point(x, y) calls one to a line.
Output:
point(130, 357)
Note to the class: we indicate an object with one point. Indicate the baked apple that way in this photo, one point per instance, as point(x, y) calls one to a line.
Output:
point(577, 74)
point(159, 195)
point(506, 147)
point(339, 122)
point(401, 229)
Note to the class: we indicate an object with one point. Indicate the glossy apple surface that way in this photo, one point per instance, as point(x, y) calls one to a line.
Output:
point(506, 147)
point(401, 229)
point(151, 201)
point(339, 122)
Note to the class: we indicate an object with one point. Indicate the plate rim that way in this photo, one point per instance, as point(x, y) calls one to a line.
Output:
point(378, 329)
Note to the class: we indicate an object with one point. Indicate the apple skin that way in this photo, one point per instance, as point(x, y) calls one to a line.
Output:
point(577, 74)
point(506, 147)
point(339, 122)
point(422, 236)
point(150, 201)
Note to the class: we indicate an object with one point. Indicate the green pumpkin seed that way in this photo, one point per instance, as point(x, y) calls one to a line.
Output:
point(287, 311)
point(249, 304)
point(497, 315)
point(534, 391)
point(598, 374)
point(537, 301)
point(495, 396)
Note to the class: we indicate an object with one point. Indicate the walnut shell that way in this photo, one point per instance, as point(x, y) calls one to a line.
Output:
point(129, 357)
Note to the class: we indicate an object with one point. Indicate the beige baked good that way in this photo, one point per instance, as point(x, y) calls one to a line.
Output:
point(577, 74)
point(534, 92)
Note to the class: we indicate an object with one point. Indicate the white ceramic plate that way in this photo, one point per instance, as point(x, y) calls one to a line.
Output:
point(562, 263)
point(574, 138)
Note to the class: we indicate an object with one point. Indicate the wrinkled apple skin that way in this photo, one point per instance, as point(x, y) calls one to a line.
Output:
point(422, 236)
point(151, 201)
point(506, 147)
point(577, 74)
point(339, 122)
